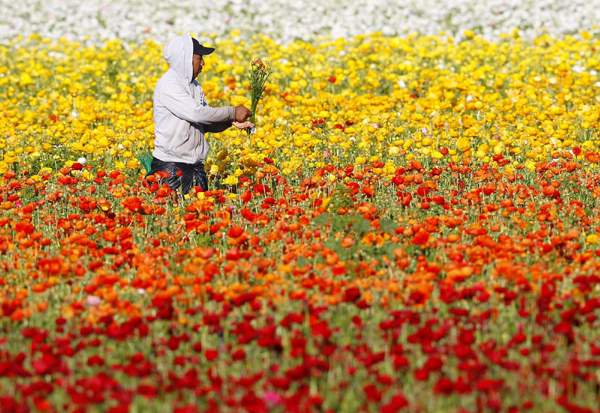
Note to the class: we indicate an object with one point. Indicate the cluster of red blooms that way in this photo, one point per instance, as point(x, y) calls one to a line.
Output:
point(449, 288)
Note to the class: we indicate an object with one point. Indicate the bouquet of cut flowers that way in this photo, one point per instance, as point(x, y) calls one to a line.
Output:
point(259, 73)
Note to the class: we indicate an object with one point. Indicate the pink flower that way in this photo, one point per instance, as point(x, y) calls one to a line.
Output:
point(326, 154)
point(272, 397)
point(93, 301)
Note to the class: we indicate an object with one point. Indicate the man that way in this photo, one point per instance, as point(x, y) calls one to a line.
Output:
point(182, 116)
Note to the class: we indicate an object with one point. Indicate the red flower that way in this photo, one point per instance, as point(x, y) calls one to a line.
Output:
point(239, 354)
point(420, 238)
point(235, 232)
point(332, 79)
point(246, 197)
point(260, 189)
point(444, 386)
point(400, 362)
point(253, 404)
point(352, 294)
point(368, 190)
point(434, 363)
point(395, 404)
point(95, 360)
point(233, 254)
point(147, 390)
point(577, 151)
point(173, 343)
point(372, 394)
point(421, 374)
point(563, 328)
point(211, 355)
point(45, 364)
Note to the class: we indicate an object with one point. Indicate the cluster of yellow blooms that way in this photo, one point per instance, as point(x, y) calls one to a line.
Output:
point(348, 101)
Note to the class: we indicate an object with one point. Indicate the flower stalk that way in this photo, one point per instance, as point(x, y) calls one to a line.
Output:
point(258, 76)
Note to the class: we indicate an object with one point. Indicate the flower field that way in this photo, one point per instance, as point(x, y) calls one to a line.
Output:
point(414, 227)
point(286, 21)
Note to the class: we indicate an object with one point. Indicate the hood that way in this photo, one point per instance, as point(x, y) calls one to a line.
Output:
point(178, 53)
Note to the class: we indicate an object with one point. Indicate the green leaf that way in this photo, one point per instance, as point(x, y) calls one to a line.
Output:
point(388, 249)
point(338, 223)
point(388, 225)
point(333, 245)
point(146, 161)
point(322, 219)
point(361, 225)
point(301, 261)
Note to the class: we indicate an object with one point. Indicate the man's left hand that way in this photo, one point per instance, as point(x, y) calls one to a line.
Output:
point(243, 125)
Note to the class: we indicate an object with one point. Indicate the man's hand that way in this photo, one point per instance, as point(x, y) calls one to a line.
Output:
point(242, 114)
point(243, 125)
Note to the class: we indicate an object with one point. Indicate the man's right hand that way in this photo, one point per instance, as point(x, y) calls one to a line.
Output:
point(242, 114)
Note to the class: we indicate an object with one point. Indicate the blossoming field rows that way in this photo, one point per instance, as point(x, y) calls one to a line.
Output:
point(413, 227)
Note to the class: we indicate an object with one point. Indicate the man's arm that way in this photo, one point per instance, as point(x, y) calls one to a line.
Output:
point(179, 102)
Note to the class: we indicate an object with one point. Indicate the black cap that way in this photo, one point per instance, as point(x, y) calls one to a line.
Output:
point(201, 50)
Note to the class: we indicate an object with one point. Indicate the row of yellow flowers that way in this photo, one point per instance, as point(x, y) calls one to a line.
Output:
point(378, 98)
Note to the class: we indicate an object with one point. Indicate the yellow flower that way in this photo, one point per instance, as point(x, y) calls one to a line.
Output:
point(463, 144)
point(231, 180)
point(25, 79)
point(133, 164)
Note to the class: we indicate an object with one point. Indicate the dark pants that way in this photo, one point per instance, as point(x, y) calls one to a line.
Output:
point(191, 174)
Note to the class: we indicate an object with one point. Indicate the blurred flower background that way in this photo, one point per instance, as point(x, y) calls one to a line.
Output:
point(286, 21)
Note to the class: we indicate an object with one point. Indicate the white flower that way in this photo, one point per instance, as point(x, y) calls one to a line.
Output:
point(286, 21)
point(401, 84)
point(82, 160)
point(120, 146)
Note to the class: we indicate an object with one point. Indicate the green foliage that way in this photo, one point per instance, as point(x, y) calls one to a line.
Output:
point(146, 161)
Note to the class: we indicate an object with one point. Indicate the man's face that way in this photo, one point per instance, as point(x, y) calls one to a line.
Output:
point(198, 64)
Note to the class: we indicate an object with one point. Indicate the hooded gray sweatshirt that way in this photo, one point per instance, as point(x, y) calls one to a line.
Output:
point(181, 114)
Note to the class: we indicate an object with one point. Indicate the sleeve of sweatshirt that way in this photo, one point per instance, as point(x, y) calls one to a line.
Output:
point(181, 104)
